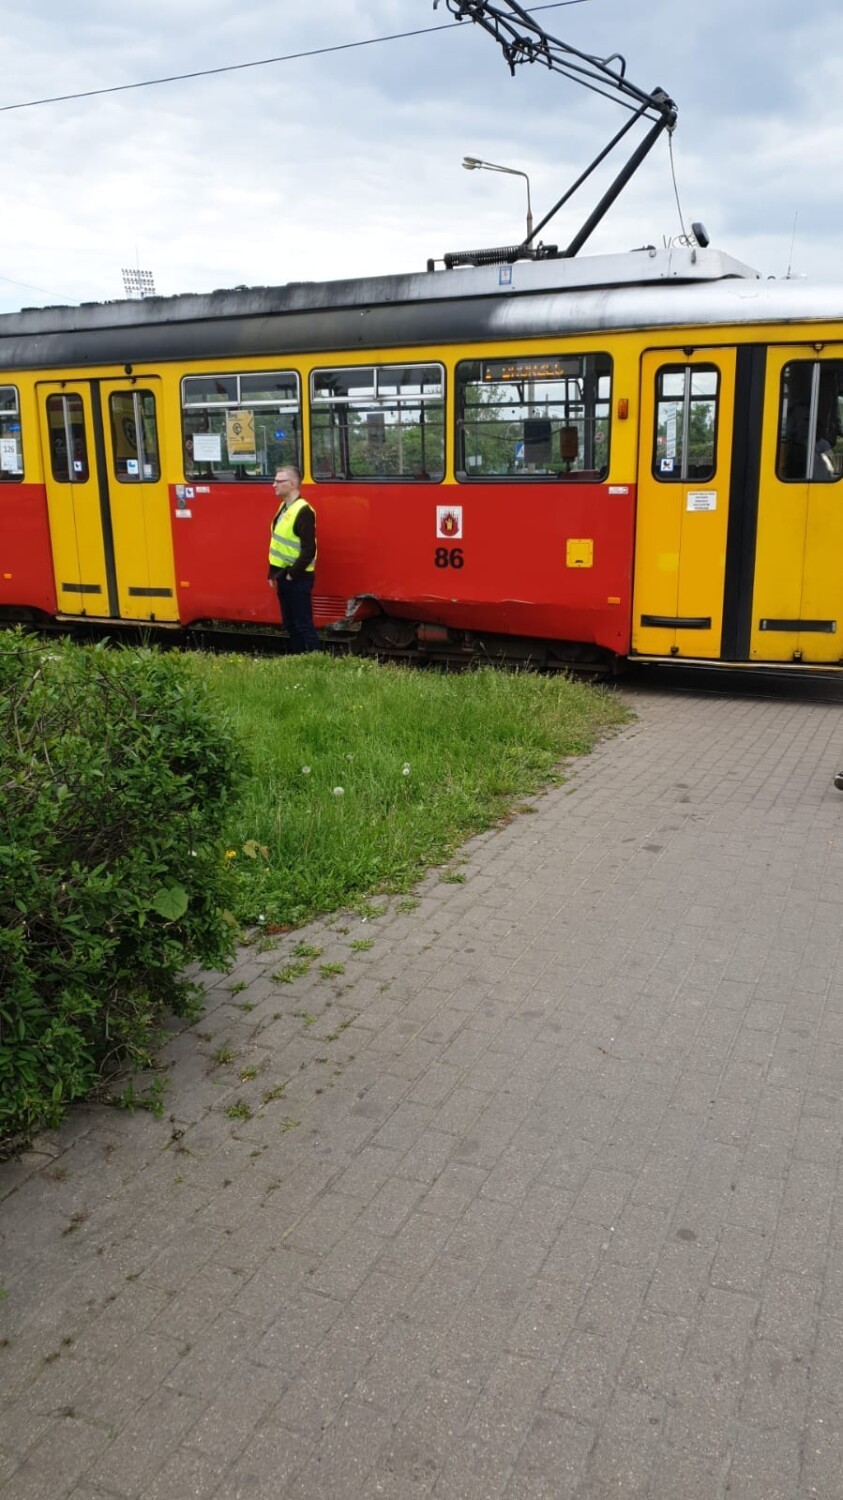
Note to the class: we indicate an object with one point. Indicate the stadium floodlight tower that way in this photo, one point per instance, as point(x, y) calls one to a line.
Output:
point(138, 283)
point(523, 40)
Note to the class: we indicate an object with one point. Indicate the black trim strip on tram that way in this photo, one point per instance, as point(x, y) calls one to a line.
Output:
point(81, 588)
point(678, 622)
point(744, 489)
point(819, 627)
point(150, 593)
point(105, 503)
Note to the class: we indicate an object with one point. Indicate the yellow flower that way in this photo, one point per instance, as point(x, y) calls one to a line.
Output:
point(231, 853)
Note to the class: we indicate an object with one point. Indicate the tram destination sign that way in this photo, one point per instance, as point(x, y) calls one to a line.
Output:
point(538, 368)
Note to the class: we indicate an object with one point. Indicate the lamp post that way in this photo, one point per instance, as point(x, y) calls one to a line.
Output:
point(473, 164)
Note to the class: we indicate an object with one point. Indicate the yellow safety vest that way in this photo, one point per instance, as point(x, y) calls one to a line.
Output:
point(284, 545)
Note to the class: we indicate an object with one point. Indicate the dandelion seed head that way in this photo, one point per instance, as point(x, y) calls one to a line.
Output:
point(305, 770)
point(339, 791)
point(405, 769)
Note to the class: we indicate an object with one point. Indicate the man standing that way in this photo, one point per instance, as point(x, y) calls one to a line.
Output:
point(292, 559)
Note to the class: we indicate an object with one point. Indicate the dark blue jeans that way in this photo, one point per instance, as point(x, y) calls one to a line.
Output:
point(294, 597)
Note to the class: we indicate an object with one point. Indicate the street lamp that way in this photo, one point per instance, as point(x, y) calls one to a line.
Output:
point(473, 163)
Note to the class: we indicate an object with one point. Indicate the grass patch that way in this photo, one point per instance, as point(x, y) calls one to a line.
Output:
point(331, 813)
point(291, 972)
point(222, 1056)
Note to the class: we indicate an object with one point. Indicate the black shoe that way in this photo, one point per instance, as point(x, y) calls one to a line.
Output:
point(838, 781)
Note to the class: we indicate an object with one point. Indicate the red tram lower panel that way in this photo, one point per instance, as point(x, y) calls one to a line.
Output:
point(550, 560)
point(26, 560)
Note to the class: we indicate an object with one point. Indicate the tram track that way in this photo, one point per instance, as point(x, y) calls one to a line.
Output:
point(763, 683)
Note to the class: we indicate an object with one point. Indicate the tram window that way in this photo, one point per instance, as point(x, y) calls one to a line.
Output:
point(68, 440)
point(242, 426)
point(378, 422)
point(342, 385)
point(11, 448)
point(134, 436)
point(685, 444)
point(810, 446)
point(210, 390)
point(269, 385)
point(534, 416)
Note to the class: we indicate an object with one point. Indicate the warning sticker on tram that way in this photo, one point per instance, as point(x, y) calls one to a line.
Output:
point(702, 499)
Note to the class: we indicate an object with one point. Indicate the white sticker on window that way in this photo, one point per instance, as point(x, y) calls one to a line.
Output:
point(207, 447)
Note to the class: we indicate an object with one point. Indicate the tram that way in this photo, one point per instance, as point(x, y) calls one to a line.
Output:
point(572, 461)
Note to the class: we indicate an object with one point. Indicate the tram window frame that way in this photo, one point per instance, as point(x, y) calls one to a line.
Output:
point(61, 473)
point(703, 473)
point(148, 461)
point(809, 446)
point(218, 395)
point(551, 440)
point(374, 392)
point(11, 431)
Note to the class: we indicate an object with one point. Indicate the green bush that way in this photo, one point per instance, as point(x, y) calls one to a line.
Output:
point(115, 774)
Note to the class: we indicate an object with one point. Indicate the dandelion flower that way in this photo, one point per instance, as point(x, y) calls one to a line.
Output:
point(305, 770)
point(231, 853)
point(339, 791)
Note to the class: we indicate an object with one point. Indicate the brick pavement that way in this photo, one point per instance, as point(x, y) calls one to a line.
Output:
point(540, 1197)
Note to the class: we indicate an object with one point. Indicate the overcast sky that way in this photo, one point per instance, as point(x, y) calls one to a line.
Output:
point(349, 163)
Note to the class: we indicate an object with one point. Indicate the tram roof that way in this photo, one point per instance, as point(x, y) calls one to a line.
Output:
point(647, 288)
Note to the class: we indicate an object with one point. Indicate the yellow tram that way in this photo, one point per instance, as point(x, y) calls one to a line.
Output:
point(573, 461)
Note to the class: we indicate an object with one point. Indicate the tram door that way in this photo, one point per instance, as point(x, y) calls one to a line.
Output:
point(797, 612)
point(685, 449)
point(108, 502)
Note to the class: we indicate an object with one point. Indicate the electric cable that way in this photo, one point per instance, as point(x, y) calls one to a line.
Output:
point(263, 62)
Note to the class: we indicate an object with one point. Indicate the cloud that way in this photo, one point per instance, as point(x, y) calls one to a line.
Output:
point(349, 163)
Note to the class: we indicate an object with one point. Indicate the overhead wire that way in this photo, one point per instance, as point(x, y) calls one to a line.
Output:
point(48, 292)
point(300, 56)
point(262, 62)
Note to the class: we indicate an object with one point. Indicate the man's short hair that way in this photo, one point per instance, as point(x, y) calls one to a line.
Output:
point(290, 469)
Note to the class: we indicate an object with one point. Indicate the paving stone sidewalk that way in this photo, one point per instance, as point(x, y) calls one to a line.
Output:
point(539, 1197)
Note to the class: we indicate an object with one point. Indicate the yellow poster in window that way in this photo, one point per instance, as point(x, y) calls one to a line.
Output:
point(240, 436)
